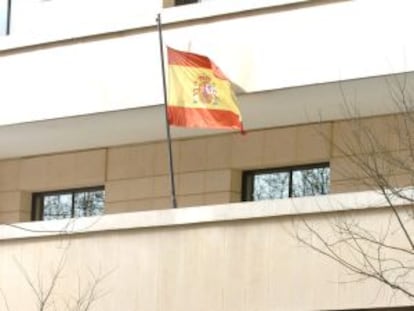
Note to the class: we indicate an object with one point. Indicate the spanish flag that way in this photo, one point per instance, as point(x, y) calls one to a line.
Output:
point(199, 94)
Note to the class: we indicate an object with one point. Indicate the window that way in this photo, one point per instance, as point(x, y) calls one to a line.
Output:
point(4, 17)
point(181, 2)
point(282, 183)
point(68, 203)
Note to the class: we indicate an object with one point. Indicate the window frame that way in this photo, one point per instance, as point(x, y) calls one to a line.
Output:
point(248, 177)
point(38, 200)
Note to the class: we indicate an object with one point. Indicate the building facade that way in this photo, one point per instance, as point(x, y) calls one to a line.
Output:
point(83, 134)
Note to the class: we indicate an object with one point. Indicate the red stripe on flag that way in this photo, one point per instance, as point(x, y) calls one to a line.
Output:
point(188, 59)
point(203, 118)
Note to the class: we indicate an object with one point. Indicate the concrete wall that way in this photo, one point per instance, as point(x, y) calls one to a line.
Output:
point(39, 18)
point(235, 257)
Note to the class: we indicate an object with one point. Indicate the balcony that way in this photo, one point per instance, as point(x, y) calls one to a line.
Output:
point(222, 257)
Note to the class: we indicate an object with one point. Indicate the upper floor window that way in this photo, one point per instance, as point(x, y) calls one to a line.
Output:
point(279, 183)
point(68, 203)
point(4, 17)
point(181, 2)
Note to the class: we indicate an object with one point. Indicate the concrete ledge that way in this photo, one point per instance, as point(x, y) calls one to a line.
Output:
point(200, 214)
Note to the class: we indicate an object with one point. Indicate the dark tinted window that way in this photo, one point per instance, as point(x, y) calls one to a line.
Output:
point(181, 2)
point(68, 204)
point(279, 183)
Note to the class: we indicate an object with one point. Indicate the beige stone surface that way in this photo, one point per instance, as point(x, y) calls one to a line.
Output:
point(344, 186)
point(218, 181)
point(345, 169)
point(219, 151)
point(15, 206)
point(217, 197)
point(296, 145)
point(128, 189)
point(159, 203)
point(161, 185)
point(25, 202)
point(247, 150)
point(10, 201)
point(128, 206)
point(131, 161)
point(12, 217)
point(313, 143)
point(190, 183)
point(368, 166)
point(208, 170)
point(62, 171)
point(236, 180)
point(359, 135)
point(192, 155)
point(279, 147)
point(161, 162)
point(235, 197)
point(190, 200)
point(162, 203)
point(9, 175)
point(168, 3)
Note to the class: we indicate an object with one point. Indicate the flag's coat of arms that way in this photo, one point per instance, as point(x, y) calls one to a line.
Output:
point(199, 94)
point(205, 90)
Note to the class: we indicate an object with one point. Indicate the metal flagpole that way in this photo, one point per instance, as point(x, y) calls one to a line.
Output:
point(164, 84)
point(8, 22)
